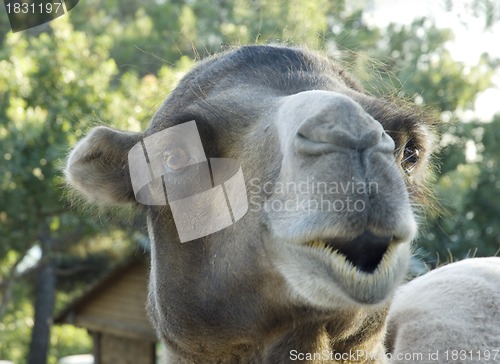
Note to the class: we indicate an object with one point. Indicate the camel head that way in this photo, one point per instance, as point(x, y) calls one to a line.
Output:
point(319, 181)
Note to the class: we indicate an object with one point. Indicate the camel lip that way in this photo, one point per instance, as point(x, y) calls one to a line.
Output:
point(365, 251)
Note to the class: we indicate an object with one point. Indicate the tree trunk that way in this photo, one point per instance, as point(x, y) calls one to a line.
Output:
point(44, 302)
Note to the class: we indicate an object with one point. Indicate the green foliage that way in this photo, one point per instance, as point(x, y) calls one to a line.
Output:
point(16, 326)
point(53, 87)
point(469, 191)
point(15, 332)
point(68, 340)
point(413, 61)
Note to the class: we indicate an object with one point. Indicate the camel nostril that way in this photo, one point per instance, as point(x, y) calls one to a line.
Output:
point(326, 139)
point(300, 135)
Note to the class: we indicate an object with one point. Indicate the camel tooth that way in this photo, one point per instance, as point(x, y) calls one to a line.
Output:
point(317, 244)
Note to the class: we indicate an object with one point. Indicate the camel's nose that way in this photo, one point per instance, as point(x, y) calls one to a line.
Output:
point(341, 124)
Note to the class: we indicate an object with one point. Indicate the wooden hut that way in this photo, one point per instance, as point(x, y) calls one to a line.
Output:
point(113, 312)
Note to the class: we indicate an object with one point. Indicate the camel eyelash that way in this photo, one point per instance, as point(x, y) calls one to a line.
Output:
point(410, 155)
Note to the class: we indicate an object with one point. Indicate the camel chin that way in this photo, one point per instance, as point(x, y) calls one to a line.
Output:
point(325, 278)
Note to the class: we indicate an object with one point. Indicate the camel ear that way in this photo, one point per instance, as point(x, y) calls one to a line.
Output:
point(98, 166)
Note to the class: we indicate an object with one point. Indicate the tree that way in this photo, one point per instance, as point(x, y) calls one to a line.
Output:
point(52, 87)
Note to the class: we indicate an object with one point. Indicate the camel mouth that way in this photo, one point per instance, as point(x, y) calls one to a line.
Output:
point(364, 269)
point(364, 252)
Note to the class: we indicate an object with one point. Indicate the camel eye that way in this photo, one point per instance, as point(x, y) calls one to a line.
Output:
point(410, 157)
point(176, 159)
